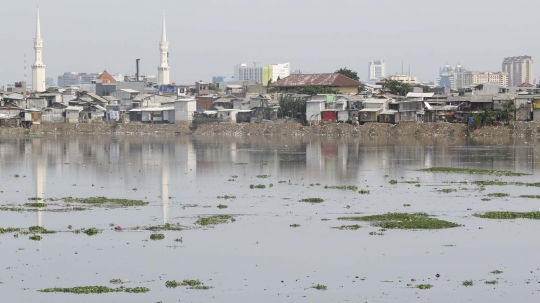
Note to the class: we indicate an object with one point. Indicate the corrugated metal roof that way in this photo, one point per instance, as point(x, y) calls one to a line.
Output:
point(301, 80)
point(79, 108)
point(420, 95)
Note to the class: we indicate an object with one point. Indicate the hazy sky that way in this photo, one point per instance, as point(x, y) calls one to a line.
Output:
point(207, 38)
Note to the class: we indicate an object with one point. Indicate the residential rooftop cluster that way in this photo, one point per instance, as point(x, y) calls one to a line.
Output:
point(267, 92)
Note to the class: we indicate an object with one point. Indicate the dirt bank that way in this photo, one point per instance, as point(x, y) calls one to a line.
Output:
point(519, 129)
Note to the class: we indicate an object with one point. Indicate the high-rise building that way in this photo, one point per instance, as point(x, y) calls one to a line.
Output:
point(459, 77)
point(76, 79)
point(163, 68)
point(520, 70)
point(38, 68)
point(262, 74)
point(376, 70)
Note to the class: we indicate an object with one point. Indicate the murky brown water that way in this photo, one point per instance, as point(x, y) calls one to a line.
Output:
point(260, 258)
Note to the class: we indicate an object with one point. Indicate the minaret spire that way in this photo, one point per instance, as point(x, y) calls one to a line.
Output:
point(163, 68)
point(38, 69)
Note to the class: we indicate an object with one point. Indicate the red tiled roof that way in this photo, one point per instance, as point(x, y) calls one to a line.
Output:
point(106, 77)
point(302, 80)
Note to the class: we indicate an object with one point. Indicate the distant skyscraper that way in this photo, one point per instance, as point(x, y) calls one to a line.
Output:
point(163, 68)
point(49, 81)
point(377, 70)
point(38, 69)
point(520, 70)
point(459, 77)
point(262, 74)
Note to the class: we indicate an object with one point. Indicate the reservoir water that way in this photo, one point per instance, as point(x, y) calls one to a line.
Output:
point(277, 248)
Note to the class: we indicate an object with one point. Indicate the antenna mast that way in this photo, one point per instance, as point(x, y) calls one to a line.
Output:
point(25, 68)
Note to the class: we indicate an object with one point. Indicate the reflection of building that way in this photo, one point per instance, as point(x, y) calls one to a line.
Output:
point(520, 70)
point(40, 173)
point(165, 180)
point(376, 70)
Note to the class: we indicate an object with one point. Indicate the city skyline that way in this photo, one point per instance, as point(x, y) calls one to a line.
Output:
point(200, 50)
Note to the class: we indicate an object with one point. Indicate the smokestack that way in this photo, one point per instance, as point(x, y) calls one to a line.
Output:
point(137, 64)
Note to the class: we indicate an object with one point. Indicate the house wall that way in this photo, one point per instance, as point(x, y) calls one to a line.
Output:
point(536, 115)
point(72, 116)
point(313, 111)
point(348, 90)
point(184, 110)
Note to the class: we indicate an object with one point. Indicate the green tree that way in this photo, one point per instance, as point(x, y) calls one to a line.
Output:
point(348, 73)
point(278, 78)
point(508, 111)
point(291, 107)
point(213, 87)
point(396, 87)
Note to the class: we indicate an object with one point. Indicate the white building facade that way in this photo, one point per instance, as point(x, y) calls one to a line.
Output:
point(262, 74)
point(520, 70)
point(376, 70)
point(38, 68)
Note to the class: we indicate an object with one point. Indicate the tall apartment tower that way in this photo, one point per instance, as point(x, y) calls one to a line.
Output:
point(38, 68)
point(163, 68)
point(377, 70)
point(520, 70)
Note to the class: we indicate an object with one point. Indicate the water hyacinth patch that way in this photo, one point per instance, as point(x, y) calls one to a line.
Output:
point(213, 220)
point(294, 225)
point(349, 227)
point(508, 215)
point(91, 231)
point(447, 190)
point(498, 195)
point(260, 186)
point(40, 230)
point(344, 187)
point(424, 286)
point(38, 205)
point(263, 176)
point(404, 221)
point(467, 283)
point(312, 200)
point(104, 200)
point(364, 192)
point(393, 182)
point(166, 226)
point(35, 238)
point(472, 171)
point(156, 237)
point(530, 196)
point(227, 197)
point(221, 206)
point(319, 287)
point(192, 284)
point(95, 290)
point(492, 282)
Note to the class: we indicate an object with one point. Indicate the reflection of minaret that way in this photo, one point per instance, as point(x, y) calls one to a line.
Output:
point(40, 174)
point(165, 179)
point(191, 160)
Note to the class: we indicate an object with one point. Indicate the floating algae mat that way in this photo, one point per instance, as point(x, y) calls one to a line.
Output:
point(212, 220)
point(95, 290)
point(404, 221)
point(471, 171)
point(104, 200)
point(508, 215)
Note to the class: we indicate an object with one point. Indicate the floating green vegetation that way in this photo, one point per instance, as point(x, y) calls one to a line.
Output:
point(364, 192)
point(537, 184)
point(240, 163)
point(178, 240)
point(508, 215)
point(35, 238)
point(325, 219)
point(213, 220)
point(471, 171)
point(344, 187)
point(103, 200)
point(406, 205)
point(40, 230)
point(319, 287)
point(115, 281)
point(530, 196)
point(227, 197)
point(498, 195)
point(374, 233)
point(192, 284)
point(497, 272)
point(157, 237)
point(424, 286)
point(35, 205)
point(221, 206)
point(166, 226)
point(231, 180)
point(410, 182)
point(260, 186)
point(417, 185)
point(486, 199)
point(35, 199)
point(95, 290)
point(492, 282)
point(349, 227)
point(234, 176)
point(16, 175)
point(447, 190)
point(263, 176)
point(467, 283)
point(404, 221)
point(393, 182)
point(282, 181)
point(10, 230)
point(294, 225)
point(312, 200)
point(486, 183)
point(91, 231)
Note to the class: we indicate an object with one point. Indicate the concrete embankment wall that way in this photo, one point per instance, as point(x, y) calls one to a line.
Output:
point(520, 129)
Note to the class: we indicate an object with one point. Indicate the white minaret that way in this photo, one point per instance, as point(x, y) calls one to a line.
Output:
point(163, 68)
point(38, 69)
